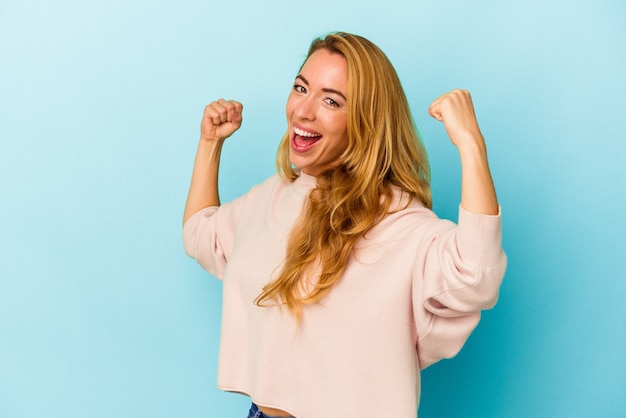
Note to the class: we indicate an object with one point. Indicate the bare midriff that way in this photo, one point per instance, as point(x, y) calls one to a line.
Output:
point(274, 412)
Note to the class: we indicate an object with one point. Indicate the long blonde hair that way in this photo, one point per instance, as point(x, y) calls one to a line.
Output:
point(384, 152)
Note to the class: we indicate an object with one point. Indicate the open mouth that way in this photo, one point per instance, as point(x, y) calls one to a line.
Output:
point(302, 141)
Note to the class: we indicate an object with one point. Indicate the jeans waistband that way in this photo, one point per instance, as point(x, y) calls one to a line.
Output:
point(255, 413)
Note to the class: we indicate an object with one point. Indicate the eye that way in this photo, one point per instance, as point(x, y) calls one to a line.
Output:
point(331, 102)
point(299, 89)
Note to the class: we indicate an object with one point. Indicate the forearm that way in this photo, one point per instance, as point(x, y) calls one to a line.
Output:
point(203, 191)
point(456, 111)
point(478, 193)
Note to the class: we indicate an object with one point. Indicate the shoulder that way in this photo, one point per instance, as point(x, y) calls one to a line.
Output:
point(407, 217)
point(404, 205)
point(269, 195)
point(267, 186)
point(269, 183)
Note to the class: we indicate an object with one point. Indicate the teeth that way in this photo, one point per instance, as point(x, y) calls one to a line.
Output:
point(300, 132)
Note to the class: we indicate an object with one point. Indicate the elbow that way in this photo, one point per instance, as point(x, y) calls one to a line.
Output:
point(189, 239)
point(472, 292)
point(189, 247)
point(445, 338)
point(485, 292)
point(491, 281)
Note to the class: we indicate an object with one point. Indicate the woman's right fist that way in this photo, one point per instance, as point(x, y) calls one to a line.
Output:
point(221, 118)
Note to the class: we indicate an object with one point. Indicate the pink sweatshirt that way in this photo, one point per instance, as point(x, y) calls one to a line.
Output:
point(410, 296)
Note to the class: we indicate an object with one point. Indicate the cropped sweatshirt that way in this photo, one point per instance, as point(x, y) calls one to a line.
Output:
point(411, 294)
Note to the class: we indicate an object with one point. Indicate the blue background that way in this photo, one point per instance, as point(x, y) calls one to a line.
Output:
point(102, 314)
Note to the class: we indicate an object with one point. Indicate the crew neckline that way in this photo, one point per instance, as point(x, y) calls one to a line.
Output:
point(305, 181)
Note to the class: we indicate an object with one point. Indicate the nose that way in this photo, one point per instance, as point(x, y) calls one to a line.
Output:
point(305, 109)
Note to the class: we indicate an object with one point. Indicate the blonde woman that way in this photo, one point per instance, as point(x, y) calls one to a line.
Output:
point(339, 282)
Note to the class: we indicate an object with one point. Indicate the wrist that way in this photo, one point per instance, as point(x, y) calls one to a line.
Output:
point(472, 152)
point(210, 148)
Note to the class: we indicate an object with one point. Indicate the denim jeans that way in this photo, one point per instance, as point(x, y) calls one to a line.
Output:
point(255, 413)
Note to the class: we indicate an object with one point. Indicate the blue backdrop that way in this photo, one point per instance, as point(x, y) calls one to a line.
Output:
point(102, 314)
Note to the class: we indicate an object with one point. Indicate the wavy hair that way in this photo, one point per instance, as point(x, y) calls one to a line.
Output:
point(384, 153)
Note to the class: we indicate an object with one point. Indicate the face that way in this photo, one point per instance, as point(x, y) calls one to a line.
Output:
point(316, 113)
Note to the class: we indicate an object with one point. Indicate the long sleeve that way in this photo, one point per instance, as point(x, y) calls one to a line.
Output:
point(462, 271)
point(208, 236)
point(213, 233)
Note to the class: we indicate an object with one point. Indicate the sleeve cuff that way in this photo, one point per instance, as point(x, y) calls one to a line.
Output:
point(480, 237)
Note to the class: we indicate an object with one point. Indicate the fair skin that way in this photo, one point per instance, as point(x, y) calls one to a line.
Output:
point(221, 118)
point(316, 115)
point(456, 111)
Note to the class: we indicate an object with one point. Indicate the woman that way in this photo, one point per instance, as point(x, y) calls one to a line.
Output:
point(340, 283)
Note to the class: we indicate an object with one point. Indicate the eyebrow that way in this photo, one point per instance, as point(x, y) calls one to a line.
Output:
point(325, 90)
